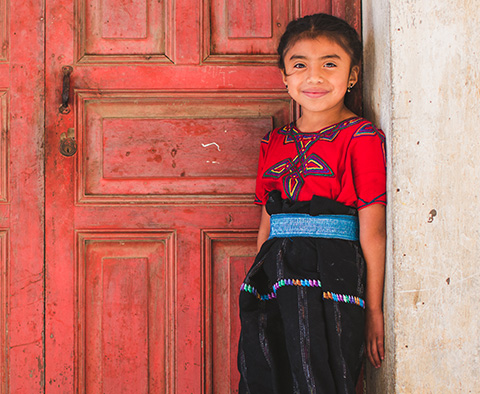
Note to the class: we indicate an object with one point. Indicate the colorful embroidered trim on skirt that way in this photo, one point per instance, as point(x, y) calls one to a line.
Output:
point(285, 225)
point(344, 298)
point(348, 299)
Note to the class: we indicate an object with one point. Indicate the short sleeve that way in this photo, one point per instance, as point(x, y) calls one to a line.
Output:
point(369, 166)
point(261, 194)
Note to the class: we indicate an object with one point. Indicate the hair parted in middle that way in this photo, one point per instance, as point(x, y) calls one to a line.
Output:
point(321, 25)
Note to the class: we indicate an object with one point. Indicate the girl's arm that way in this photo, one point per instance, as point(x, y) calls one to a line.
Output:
point(373, 241)
point(264, 229)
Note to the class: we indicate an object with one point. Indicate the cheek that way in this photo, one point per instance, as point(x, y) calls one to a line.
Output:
point(291, 80)
point(342, 82)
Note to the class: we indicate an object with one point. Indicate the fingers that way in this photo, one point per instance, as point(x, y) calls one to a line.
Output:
point(375, 351)
point(381, 348)
point(374, 341)
point(372, 354)
point(369, 353)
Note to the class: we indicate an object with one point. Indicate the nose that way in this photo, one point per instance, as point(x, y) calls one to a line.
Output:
point(315, 75)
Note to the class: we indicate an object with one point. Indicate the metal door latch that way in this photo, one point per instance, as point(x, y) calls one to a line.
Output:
point(68, 144)
point(65, 108)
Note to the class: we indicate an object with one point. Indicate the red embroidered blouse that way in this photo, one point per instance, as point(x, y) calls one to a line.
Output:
point(344, 162)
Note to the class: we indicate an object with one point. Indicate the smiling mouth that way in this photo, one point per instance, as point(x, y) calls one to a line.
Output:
point(315, 93)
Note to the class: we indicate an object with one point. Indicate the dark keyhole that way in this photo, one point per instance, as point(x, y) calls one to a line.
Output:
point(68, 147)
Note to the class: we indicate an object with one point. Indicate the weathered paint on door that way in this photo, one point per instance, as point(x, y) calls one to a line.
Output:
point(21, 196)
point(150, 225)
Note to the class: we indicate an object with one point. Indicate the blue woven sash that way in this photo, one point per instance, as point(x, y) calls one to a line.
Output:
point(285, 225)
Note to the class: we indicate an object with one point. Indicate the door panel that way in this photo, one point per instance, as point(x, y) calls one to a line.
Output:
point(4, 142)
point(125, 293)
point(113, 31)
point(21, 196)
point(5, 289)
point(167, 146)
point(4, 247)
point(236, 32)
point(150, 226)
point(227, 257)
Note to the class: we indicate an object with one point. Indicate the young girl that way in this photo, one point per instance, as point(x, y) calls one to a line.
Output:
point(312, 302)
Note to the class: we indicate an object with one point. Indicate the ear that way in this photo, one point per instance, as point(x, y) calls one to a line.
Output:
point(353, 78)
point(284, 77)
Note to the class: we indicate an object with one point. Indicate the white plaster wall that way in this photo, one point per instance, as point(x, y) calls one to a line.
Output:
point(422, 87)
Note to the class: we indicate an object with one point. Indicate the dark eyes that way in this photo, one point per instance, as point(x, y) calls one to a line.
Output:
point(326, 65)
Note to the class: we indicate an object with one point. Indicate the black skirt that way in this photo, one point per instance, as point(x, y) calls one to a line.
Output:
point(302, 310)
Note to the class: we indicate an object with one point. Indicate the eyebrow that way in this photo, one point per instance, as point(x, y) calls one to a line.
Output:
point(321, 58)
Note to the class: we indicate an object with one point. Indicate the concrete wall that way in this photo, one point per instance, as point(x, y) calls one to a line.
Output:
point(422, 88)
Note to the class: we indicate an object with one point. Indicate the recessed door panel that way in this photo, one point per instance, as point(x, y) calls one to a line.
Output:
point(113, 31)
point(125, 303)
point(3, 146)
point(228, 256)
point(237, 31)
point(164, 147)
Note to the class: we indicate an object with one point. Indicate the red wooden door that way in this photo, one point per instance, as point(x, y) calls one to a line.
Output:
point(21, 196)
point(150, 225)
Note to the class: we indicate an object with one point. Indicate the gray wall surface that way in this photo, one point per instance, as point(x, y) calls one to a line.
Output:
point(421, 80)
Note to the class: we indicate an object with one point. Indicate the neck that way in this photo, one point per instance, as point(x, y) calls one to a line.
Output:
point(310, 122)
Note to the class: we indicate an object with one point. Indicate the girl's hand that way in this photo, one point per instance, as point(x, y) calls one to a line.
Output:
point(374, 338)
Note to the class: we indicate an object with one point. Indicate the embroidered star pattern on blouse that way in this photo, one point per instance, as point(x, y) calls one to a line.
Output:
point(294, 170)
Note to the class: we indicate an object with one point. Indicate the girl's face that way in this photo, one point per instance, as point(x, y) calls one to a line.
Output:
point(318, 72)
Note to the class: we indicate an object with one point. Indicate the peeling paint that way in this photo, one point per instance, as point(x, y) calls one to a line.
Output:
point(210, 144)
